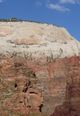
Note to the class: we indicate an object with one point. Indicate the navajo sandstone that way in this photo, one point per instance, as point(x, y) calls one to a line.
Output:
point(39, 70)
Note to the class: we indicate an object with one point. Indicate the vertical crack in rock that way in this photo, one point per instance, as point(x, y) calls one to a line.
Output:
point(26, 86)
point(15, 85)
point(40, 107)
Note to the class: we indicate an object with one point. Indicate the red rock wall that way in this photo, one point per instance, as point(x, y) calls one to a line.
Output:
point(30, 88)
point(71, 105)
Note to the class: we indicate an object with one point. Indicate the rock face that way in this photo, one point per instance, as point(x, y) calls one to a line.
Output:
point(39, 70)
point(71, 104)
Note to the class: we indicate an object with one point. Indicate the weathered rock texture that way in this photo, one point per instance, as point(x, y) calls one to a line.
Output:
point(39, 70)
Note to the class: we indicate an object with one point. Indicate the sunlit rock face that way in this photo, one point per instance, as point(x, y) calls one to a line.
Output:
point(39, 70)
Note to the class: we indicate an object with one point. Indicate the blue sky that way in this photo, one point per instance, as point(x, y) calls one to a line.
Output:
point(64, 13)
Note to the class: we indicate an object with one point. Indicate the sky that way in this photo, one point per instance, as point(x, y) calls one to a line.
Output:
point(65, 13)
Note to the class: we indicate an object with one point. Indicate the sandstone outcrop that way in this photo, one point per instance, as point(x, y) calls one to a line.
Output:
point(39, 70)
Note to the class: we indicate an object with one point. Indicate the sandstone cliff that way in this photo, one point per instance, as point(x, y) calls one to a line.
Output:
point(39, 70)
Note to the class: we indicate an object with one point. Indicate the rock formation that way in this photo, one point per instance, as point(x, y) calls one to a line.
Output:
point(39, 70)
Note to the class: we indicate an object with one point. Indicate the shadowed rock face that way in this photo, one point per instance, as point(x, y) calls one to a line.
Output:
point(39, 76)
point(71, 104)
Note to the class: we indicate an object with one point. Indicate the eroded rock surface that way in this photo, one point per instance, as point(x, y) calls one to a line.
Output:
point(71, 104)
point(39, 70)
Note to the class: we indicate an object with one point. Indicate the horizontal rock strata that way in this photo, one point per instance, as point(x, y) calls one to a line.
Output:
point(39, 70)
